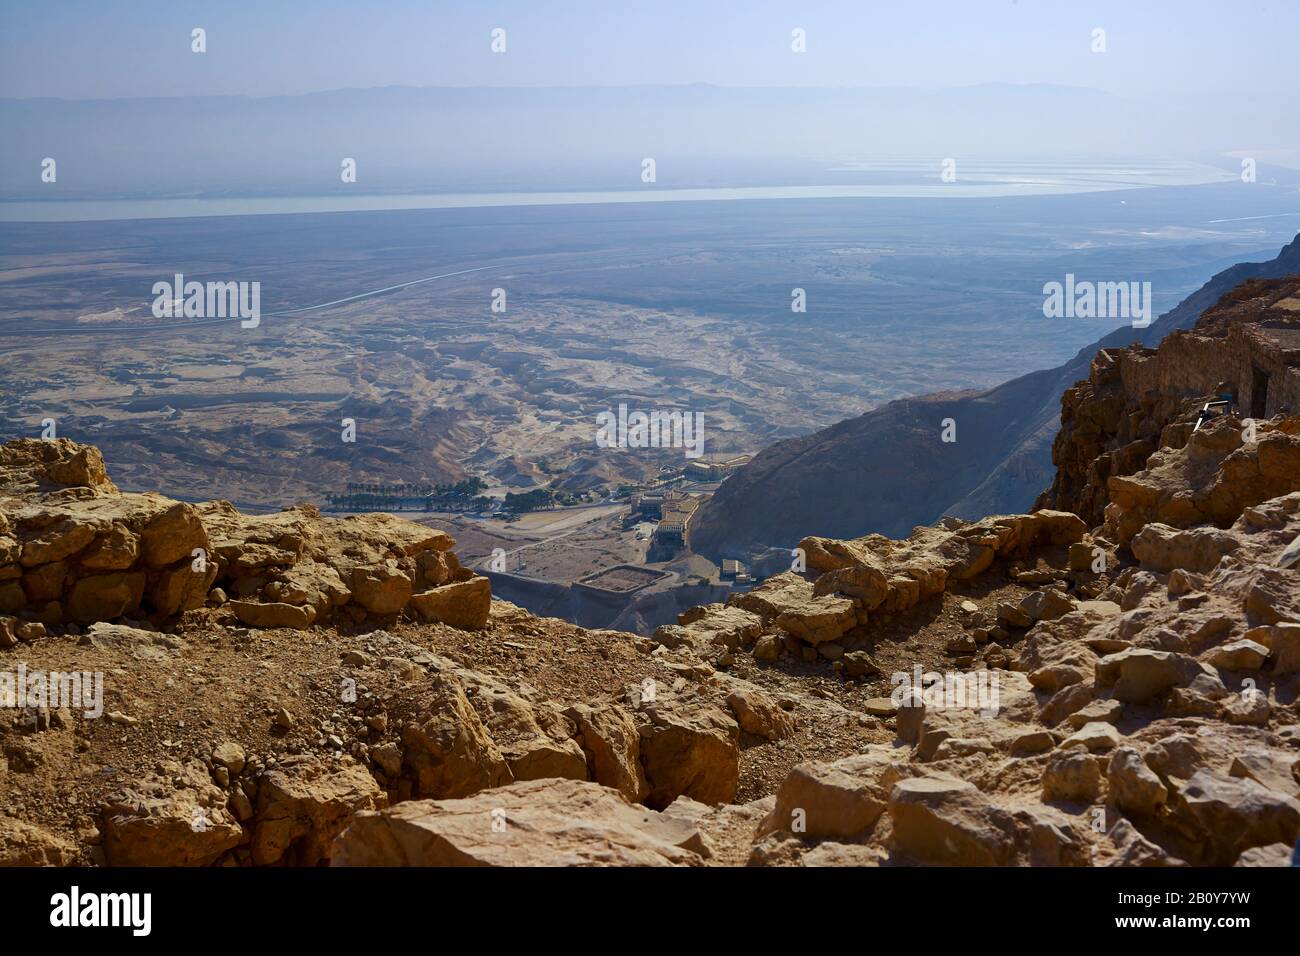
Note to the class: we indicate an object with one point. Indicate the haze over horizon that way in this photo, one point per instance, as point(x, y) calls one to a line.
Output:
point(337, 45)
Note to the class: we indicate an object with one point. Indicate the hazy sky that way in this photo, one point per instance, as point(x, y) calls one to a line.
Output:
point(109, 48)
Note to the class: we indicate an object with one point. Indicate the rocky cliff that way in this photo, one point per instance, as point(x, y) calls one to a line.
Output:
point(889, 470)
point(1137, 400)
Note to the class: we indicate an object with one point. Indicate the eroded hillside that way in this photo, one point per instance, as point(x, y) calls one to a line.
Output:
point(890, 468)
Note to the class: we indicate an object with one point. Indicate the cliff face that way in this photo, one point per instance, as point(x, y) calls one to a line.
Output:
point(1136, 400)
point(887, 470)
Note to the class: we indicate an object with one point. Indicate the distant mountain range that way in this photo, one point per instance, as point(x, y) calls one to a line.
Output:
point(889, 470)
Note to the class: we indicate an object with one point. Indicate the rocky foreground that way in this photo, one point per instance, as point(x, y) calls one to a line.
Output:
point(293, 689)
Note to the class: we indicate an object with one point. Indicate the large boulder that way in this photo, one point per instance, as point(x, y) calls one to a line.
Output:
point(536, 739)
point(838, 799)
point(612, 745)
point(181, 588)
point(1140, 674)
point(448, 750)
point(531, 823)
point(1232, 814)
point(1162, 548)
point(943, 820)
point(714, 624)
point(691, 750)
point(102, 597)
point(462, 604)
point(56, 542)
point(304, 804)
point(173, 535)
point(176, 817)
point(114, 550)
point(381, 588)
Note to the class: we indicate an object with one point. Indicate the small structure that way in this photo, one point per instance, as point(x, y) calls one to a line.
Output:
point(714, 469)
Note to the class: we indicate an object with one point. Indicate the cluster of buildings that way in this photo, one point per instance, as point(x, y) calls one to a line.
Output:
point(671, 510)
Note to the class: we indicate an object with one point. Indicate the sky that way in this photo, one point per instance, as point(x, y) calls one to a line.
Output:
point(110, 49)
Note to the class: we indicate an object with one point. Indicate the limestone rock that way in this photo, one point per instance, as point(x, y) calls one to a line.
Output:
point(758, 714)
point(173, 535)
point(536, 739)
point(115, 550)
point(381, 588)
point(1233, 814)
point(1139, 674)
point(273, 614)
point(1285, 643)
point(1162, 548)
point(1133, 849)
point(1093, 737)
point(102, 597)
point(819, 619)
point(302, 806)
point(181, 588)
point(1240, 655)
point(1275, 854)
point(945, 821)
point(533, 823)
point(464, 604)
point(449, 750)
point(177, 818)
point(713, 624)
point(1047, 605)
point(612, 746)
point(691, 750)
point(1071, 775)
point(25, 844)
point(230, 755)
point(56, 542)
point(843, 798)
point(1132, 785)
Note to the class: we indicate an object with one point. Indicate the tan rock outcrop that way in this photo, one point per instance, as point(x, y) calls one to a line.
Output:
point(689, 749)
point(175, 818)
point(532, 823)
point(303, 805)
point(449, 751)
point(612, 745)
point(463, 604)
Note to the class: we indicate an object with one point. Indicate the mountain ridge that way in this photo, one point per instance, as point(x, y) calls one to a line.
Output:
point(1000, 462)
